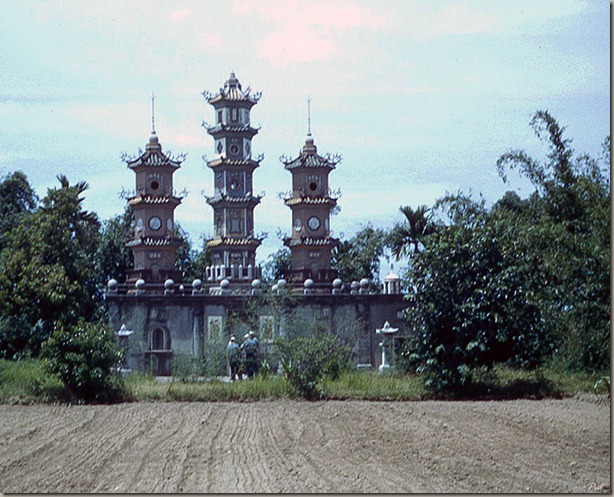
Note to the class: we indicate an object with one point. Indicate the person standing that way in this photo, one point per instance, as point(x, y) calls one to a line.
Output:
point(234, 358)
point(248, 347)
point(256, 343)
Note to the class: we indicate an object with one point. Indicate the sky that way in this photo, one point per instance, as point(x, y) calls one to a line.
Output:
point(419, 97)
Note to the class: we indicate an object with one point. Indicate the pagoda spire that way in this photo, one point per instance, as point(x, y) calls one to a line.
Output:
point(153, 126)
point(308, 116)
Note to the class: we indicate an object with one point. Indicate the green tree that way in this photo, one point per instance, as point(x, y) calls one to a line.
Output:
point(408, 237)
point(359, 257)
point(568, 228)
point(277, 266)
point(192, 263)
point(46, 267)
point(472, 303)
point(113, 259)
point(520, 281)
point(16, 198)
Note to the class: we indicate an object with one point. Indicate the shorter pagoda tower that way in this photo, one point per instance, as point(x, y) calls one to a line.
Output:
point(154, 243)
point(311, 202)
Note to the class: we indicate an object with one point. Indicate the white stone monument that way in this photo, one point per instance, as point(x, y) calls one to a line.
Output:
point(386, 331)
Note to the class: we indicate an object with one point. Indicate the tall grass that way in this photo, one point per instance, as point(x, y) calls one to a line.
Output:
point(26, 381)
point(141, 387)
point(369, 385)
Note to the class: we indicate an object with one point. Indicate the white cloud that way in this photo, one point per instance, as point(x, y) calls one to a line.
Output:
point(180, 15)
point(306, 31)
point(340, 15)
point(297, 43)
point(213, 40)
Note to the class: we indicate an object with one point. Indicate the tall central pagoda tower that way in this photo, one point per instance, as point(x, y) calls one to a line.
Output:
point(233, 247)
point(311, 202)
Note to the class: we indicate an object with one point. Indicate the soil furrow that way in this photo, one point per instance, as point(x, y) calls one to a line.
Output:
point(560, 446)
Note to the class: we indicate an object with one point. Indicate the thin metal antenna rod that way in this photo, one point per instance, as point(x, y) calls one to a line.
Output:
point(153, 127)
point(309, 115)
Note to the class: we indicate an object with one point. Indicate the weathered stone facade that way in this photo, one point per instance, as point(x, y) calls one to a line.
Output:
point(178, 319)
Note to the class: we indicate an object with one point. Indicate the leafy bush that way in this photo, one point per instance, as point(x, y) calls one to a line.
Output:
point(307, 360)
point(187, 368)
point(215, 356)
point(85, 358)
point(18, 339)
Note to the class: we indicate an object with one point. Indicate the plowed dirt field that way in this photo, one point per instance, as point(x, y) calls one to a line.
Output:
point(294, 446)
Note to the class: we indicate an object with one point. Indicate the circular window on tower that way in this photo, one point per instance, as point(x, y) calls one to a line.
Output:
point(314, 223)
point(169, 224)
point(313, 186)
point(298, 224)
point(234, 183)
point(155, 223)
point(154, 185)
point(234, 149)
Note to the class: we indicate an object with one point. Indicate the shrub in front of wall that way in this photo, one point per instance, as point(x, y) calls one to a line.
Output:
point(85, 358)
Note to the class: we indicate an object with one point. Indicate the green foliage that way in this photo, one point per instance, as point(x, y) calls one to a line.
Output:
point(16, 199)
point(407, 237)
point(187, 368)
point(27, 381)
point(192, 263)
point(145, 388)
point(18, 339)
point(359, 256)
point(471, 307)
point(215, 356)
point(524, 281)
point(85, 357)
point(603, 385)
point(369, 385)
point(567, 227)
point(277, 266)
point(307, 361)
point(46, 269)
point(113, 259)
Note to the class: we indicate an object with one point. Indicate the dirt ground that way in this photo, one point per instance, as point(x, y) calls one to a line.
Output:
point(294, 446)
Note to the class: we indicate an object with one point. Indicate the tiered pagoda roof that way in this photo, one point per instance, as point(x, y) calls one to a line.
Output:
point(153, 242)
point(152, 199)
point(330, 201)
point(233, 92)
point(153, 156)
point(245, 199)
point(219, 128)
point(226, 240)
point(308, 157)
point(223, 161)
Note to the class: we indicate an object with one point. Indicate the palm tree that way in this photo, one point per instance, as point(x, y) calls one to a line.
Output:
point(407, 237)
